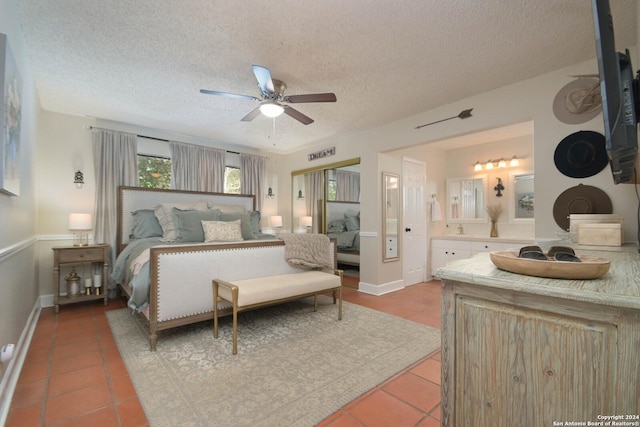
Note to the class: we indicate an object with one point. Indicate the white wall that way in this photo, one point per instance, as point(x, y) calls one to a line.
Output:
point(18, 260)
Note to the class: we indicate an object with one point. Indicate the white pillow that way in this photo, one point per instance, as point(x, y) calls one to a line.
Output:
point(169, 222)
point(226, 208)
point(222, 231)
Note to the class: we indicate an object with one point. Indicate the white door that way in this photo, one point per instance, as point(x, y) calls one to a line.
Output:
point(414, 242)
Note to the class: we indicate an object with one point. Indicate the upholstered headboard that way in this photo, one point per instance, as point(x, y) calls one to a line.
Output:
point(131, 199)
point(336, 210)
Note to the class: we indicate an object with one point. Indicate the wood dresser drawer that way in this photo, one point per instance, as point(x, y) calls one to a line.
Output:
point(81, 255)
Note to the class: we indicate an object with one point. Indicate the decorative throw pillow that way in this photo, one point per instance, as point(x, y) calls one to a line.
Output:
point(190, 223)
point(352, 220)
point(145, 224)
point(254, 216)
point(168, 221)
point(245, 222)
point(222, 231)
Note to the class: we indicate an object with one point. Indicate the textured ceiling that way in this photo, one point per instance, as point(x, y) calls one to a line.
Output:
point(143, 62)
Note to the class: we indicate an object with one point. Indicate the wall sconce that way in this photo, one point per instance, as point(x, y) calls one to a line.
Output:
point(498, 188)
point(270, 194)
point(81, 223)
point(499, 163)
point(78, 179)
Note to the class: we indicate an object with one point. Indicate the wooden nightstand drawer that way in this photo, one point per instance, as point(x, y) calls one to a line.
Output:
point(81, 255)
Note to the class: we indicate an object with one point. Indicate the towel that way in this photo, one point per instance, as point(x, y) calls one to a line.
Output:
point(307, 250)
point(436, 214)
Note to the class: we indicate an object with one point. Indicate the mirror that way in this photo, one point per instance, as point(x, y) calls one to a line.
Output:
point(326, 200)
point(466, 199)
point(521, 205)
point(390, 212)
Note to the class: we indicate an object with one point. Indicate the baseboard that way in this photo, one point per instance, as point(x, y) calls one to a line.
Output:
point(14, 368)
point(382, 289)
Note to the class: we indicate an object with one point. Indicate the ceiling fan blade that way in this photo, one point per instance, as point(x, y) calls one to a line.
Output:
point(252, 115)
point(311, 97)
point(292, 112)
point(263, 75)
point(227, 94)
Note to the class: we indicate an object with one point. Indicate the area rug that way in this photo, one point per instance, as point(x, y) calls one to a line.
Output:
point(294, 367)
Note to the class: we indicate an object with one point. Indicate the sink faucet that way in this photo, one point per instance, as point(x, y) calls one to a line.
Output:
point(460, 229)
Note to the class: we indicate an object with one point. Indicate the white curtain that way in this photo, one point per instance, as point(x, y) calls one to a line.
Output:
point(196, 168)
point(347, 186)
point(115, 164)
point(313, 185)
point(252, 170)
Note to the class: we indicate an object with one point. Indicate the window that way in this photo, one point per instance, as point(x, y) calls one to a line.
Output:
point(232, 180)
point(154, 172)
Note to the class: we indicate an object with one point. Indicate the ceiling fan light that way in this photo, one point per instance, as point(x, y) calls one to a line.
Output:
point(270, 109)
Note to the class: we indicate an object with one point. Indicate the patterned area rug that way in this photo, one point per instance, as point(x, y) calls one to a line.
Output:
point(294, 367)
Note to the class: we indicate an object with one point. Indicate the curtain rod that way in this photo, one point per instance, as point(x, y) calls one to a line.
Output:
point(153, 137)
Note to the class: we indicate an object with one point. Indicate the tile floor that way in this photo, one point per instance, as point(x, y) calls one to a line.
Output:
point(74, 376)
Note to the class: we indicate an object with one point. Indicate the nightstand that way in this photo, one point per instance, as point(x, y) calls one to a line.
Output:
point(80, 256)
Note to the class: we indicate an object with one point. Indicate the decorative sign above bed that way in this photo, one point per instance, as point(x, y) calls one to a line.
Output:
point(322, 153)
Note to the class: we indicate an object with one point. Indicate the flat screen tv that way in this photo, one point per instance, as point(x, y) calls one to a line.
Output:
point(619, 90)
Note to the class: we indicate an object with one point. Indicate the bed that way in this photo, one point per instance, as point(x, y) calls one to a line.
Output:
point(164, 268)
point(343, 225)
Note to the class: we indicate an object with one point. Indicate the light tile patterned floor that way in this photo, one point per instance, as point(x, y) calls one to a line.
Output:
point(74, 376)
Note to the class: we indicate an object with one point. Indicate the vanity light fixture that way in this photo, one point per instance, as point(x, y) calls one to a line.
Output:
point(499, 163)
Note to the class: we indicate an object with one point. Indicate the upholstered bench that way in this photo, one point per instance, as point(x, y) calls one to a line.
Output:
point(262, 291)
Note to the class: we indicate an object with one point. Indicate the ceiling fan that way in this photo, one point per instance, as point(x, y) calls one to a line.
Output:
point(273, 101)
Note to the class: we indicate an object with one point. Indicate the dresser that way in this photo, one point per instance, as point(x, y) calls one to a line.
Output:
point(88, 259)
point(523, 350)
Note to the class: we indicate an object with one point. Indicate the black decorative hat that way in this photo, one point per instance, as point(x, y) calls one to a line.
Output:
point(581, 154)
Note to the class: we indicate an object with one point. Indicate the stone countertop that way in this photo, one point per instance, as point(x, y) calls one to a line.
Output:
point(474, 238)
point(619, 287)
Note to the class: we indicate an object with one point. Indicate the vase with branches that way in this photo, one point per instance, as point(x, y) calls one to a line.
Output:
point(494, 212)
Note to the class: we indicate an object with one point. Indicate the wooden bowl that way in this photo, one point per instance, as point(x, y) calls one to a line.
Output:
point(590, 268)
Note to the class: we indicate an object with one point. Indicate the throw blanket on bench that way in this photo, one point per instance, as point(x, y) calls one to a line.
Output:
point(307, 250)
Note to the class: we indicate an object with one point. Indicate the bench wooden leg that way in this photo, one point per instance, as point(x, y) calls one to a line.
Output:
point(215, 309)
point(234, 294)
point(339, 303)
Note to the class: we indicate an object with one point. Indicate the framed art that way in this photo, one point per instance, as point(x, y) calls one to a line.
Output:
point(10, 112)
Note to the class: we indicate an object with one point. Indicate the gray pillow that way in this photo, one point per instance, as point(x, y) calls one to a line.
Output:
point(245, 222)
point(190, 223)
point(145, 224)
point(255, 221)
point(352, 222)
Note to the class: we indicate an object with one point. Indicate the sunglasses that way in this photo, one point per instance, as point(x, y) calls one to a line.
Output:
point(556, 253)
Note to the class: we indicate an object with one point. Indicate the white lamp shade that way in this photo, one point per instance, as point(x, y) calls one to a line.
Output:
point(306, 221)
point(80, 221)
point(275, 221)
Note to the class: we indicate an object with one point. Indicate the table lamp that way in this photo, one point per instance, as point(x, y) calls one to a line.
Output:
point(80, 223)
